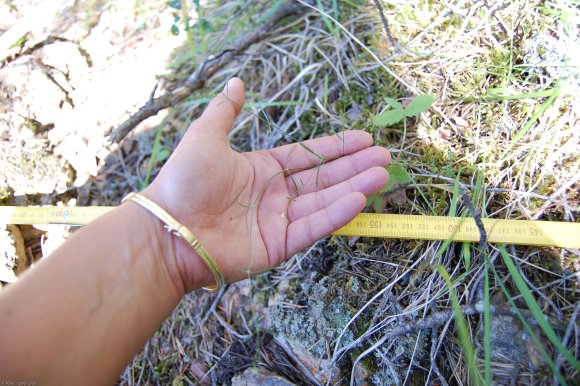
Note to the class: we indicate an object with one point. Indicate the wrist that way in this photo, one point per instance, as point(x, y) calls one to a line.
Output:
point(185, 258)
point(193, 271)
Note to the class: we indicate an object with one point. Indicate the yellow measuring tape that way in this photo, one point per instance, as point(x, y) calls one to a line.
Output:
point(524, 232)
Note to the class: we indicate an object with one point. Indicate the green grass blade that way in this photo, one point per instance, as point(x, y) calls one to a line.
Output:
point(263, 105)
point(462, 329)
point(335, 8)
point(501, 95)
point(155, 155)
point(535, 308)
point(486, 323)
point(466, 249)
point(455, 198)
point(537, 115)
point(271, 10)
point(320, 158)
point(331, 27)
point(528, 328)
point(325, 98)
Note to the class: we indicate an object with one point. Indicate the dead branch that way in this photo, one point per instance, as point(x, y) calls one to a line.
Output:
point(207, 68)
point(439, 318)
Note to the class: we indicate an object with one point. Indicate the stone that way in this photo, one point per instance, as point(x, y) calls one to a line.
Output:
point(259, 376)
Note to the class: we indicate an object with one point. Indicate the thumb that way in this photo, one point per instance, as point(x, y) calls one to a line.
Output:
point(218, 118)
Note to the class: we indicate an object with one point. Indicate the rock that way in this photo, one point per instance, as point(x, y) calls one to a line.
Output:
point(67, 64)
point(258, 376)
point(318, 368)
point(512, 350)
point(309, 318)
point(31, 93)
point(26, 169)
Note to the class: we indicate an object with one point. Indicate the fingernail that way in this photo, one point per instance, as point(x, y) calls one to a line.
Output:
point(229, 82)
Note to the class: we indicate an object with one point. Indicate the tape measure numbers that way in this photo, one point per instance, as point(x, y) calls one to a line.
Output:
point(51, 215)
point(524, 232)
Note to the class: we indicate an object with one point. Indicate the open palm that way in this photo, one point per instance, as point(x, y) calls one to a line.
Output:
point(253, 210)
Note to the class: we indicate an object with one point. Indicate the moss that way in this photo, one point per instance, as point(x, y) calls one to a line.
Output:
point(438, 160)
point(261, 289)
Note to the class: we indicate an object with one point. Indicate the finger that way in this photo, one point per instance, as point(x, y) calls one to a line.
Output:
point(336, 171)
point(307, 230)
point(218, 118)
point(367, 183)
point(307, 154)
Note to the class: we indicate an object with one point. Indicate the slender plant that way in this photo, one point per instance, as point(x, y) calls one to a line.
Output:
point(398, 113)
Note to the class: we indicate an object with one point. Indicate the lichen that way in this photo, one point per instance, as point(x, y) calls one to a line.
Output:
point(316, 318)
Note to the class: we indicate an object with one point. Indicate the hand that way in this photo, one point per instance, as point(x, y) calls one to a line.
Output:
point(253, 210)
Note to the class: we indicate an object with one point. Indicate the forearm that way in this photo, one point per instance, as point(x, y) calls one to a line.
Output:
point(83, 312)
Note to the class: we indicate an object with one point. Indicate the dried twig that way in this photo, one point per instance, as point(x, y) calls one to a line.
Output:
point(304, 369)
point(207, 68)
point(439, 318)
point(386, 25)
point(435, 342)
point(477, 219)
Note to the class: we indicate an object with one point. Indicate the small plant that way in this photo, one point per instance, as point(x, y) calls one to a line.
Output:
point(398, 176)
point(398, 112)
point(181, 16)
point(420, 104)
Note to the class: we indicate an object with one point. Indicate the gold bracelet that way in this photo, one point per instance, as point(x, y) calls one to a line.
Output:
point(173, 226)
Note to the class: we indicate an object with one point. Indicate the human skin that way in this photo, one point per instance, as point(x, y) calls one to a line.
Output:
point(81, 314)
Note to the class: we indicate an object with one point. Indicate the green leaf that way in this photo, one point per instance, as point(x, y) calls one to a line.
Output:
point(204, 24)
point(418, 105)
point(377, 202)
point(393, 103)
point(175, 30)
point(175, 4)
point(389, 117)
point(397, 176)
